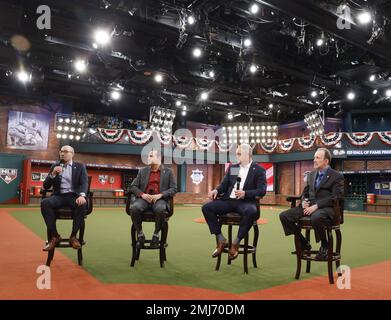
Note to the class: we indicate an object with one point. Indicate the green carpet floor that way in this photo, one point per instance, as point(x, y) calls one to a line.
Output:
point(107, 253)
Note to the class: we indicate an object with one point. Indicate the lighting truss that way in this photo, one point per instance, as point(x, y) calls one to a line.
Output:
point(255, 132)
point(69, 126)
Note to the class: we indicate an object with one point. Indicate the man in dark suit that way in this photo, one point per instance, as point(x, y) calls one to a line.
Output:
point(242, 184)
point(323, 186)
point(70, 183)
point(153, 186)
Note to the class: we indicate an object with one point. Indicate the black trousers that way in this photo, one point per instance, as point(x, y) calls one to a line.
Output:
point(49, 205)
point(319, 219)
point(247, 210)
point(159, 208)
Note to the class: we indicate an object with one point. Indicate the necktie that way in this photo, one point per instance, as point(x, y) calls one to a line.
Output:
point(319, 179)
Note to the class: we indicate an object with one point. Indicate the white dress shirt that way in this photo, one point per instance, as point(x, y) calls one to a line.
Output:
point(243, 172)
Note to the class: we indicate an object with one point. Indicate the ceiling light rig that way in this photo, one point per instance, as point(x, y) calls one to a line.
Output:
point(161, 119)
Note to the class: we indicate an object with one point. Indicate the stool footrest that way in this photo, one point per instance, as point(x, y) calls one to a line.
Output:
point(311, 257)
point(250, 249)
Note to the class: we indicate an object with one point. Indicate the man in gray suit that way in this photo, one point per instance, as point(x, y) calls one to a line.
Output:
point(323, 186)
point(153, 186)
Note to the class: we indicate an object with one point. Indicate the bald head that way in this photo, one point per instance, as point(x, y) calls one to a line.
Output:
point(66, 153)
point(244, 153)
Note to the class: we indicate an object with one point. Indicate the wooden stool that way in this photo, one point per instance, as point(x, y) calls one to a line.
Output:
point(233, 219)
point(149, 216)
point(332, 256)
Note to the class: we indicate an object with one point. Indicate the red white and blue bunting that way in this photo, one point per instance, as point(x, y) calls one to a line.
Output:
point(203, 143)
point(139, 137)
point(111, 135)
point(385, 137)
point(360, 138)
point(287, 144)
point(268, 147)
point(164, 138)
point(307, 142)
point(331, 139)
point(182, 141)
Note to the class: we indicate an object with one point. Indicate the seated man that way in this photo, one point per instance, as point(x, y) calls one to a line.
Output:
point(70, 184)
point(323, 185)
point(153, 186)
point(241, 185)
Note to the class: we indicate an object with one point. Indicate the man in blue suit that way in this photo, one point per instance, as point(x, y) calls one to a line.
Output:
point(242, 184)
point(69, 180)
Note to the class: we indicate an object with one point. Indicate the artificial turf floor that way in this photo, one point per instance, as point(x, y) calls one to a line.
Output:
point(189, 263)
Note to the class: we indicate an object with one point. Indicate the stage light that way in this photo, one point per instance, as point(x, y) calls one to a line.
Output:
point(364, 17)
point(271, 106)
point(197, 52)
point(388, 93)
point(23, 76)
point(320, 42)
point(184, 113)
point(158, 78)
point(59, 128)
point(80, 66)
point(315, 121)
point(73, 129)
point(67, 120)
point(64, 136)
point(351, 95)
point(231, 103)
point(253, 68)
point(314, 94)
point(58, 136)
point(204, 96)
point(211, 74)
point(184, 108)
point(161, 119)
point(374, 91)
point(372, 78)
point(61, 120)
point(115, 95)
point(102, 37)
point(178, 103)
point(66, 128)
point(71, 137)
point(191, 20)
point(247, 42)
point(254, 8)
point(77, 138)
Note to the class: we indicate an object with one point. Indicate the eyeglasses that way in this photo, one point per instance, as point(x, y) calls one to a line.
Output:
point(65, 151)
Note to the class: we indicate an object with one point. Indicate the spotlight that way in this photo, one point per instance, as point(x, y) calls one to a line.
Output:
point(211, 74)
point(67, 120)
point(230, 116)
point(320, 42)
point(184, 108)
point(158, 78)
point(23, 76)
point(254, 8)
point(71, 137)
point(58, 135)
point(61, 120)
point(388, 93)
point(64, 136)
point(253, 68)
point(178, 103)
point(314, 94)
point(59, 128)
point(374, 91)
point(191, 20)
point(372, 78)
point(115, 95)
point(271, 106)
point(364, 17)
point(204, 96)
point(184, 113)
point(231, 103)
point(247, 42)
point(351, 96)
point(102, 37)
point(77, 138)
point(197, 52)
point(80, 66)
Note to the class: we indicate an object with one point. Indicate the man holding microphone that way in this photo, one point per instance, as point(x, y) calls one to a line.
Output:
point(70, 184)
point(242, 184)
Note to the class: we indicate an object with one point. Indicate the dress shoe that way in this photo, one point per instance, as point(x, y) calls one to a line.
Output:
point(219, 249)
point(75, 244)
point(305, 248)
point(52, 243)
point(234, 252)
point(140, 242)
point(155, 242)
point(322, 254)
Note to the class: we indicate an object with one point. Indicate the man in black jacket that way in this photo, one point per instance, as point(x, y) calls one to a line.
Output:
point(70, 183)
point(323, 186)
point(153, 186)
point(242, 184)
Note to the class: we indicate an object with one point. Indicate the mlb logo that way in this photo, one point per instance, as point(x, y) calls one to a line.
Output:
point(197, 176)
point(8, 175)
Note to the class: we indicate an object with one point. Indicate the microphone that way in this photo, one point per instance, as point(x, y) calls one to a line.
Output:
point(150, 191)
point(61, 164)
point(238, 180)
